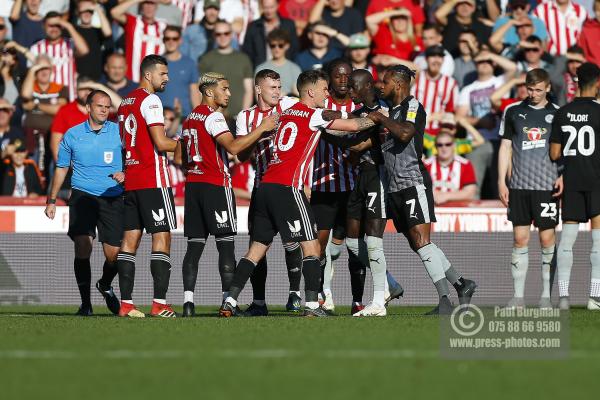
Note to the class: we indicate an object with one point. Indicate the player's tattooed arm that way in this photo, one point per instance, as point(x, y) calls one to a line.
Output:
point(403, 131)
point(345, 126)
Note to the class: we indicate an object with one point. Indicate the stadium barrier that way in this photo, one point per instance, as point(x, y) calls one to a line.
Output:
point(36, 259)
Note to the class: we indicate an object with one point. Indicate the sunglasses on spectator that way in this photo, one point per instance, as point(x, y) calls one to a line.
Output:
point(518, 7)
point(218, 34)
point(448, 144)
point(525, 26)
point(484, 62)
point(532, 50)
point(277, 45)
point(170, 119)
point(54, 26)
point(171, 38)
point(86, 11)
point(2, 27)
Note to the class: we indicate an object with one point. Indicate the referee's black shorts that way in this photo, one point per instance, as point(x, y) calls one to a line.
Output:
point(88, 212)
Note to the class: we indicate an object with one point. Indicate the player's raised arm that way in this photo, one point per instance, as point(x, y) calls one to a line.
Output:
point(341, 122)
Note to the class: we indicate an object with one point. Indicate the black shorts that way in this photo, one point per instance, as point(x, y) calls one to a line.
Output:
point(537, 206)
point(283, 209)
point(411, 207)
point(330, 210)
point(209, 209)
point(367, 200)
point(150, 209)
point(88, 212)
point(580, 206)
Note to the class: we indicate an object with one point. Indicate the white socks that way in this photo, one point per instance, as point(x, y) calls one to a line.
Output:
point(519, 265)
point(564, 257)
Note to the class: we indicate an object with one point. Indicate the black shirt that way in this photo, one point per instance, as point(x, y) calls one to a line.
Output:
point(576, 127)
point(454, 28)
point(349, 23)
point(529, 129)
point(91, 64)
point(372, 155)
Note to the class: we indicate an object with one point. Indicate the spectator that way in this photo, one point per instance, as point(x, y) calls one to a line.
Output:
point(175, 171)
point(9, 74)
point(397, 43)
point(298, 11)
point(499, 97)
point(8, 133)
point(235, 65)
point(452, 176)
point(475, 107)
point(3, 29)
point(256, 44)
point(432, 36)
point(183, 75)
point(319, 53)
point(589, 39)
point(20, 176)
point(359, 48)
point(198, 38)
point(456, 16)
point(91, 63)
point(344, 19)
point(75, 113)
point(172, 125)
point(506, 26)
point(143, 33)
point(289, 71)
point(464, 66)
point(437, 92)
point(239, 13)
point(41, 100)
point(416, 11)
point(62, 49)
point(115, 75)
point(524, 29)
point(530, 55)
point(563, 20)
point(26, 22)
point(564, 78)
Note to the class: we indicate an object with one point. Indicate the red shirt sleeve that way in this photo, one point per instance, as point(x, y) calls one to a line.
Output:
point(467, 175)
point(60, 122)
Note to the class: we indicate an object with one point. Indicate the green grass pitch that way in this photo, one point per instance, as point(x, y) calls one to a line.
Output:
point(45, 353)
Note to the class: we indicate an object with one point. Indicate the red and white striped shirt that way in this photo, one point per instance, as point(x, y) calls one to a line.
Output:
point(563, 29)
point(248, 120)
point(437, 95)
point(331, 170)
point(145, 166)
point(186, 7)
point(63, 62)
point(294, 145)
point(207, 160)
point(452, 177)
point(141, 39)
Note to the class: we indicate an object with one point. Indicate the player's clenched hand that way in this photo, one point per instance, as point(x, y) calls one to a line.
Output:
point(503, 191)
point(269, 123)
point(50, 211)
point(119, 177)
point(559, 186)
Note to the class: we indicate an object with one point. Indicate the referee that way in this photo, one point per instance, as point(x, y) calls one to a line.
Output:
point(93, 149)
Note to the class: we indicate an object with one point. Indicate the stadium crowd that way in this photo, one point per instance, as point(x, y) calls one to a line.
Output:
point(470, 57)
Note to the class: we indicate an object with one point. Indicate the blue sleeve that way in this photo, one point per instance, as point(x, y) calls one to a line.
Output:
point(540, 29)
point(64, 151)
